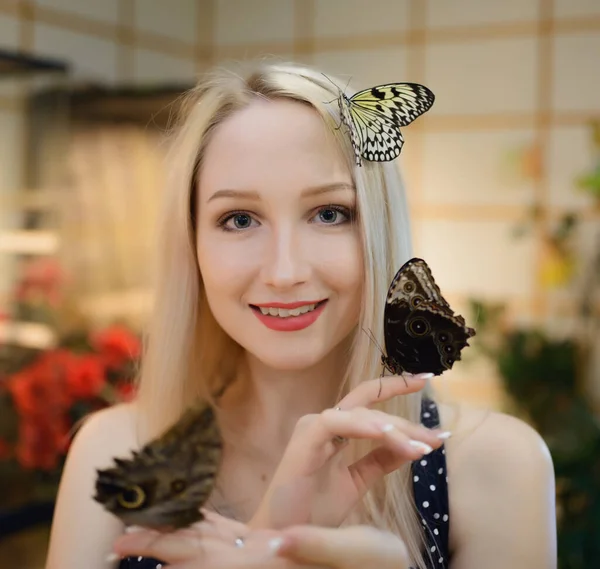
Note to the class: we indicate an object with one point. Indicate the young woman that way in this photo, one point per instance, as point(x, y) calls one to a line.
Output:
point(266, 216)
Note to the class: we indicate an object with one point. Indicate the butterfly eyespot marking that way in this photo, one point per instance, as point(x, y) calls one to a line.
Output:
point(444, 337)
point(425, 336)
point(419, 327)
point(178, 486)
point(408, 287)
point(132, 498)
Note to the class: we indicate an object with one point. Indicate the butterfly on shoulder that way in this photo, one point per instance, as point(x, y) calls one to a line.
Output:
point(374, 117)
point(164, 485)
point(422, 333)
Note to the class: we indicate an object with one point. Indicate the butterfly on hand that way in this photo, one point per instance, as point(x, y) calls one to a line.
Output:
point(422, 333)
point(374, 117)
point(164, 485)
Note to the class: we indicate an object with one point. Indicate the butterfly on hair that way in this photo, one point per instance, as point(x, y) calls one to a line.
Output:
point(422, 333)
point(374, 116)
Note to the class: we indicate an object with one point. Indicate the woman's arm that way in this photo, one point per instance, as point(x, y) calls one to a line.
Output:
point(82, 531)
point(502, 496)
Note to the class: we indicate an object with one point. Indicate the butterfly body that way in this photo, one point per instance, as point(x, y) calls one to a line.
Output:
point(164, 485)
point(374, 117)
point(422, 333)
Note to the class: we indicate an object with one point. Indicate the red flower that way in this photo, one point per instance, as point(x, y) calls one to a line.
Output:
point(41, 396)
point(125, 390)
point(118, 345)
point(45, 391)
point(85, 377)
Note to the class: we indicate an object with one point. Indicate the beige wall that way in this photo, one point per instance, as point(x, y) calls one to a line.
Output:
point(511, 74)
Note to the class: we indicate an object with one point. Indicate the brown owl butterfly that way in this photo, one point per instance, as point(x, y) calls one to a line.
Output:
point(422, 333)
point(164, 485)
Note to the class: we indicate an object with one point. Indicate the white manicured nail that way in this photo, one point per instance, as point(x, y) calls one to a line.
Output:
point(133, 529)
point(424, 447)
point(112, 557)
point(387, 428)
point(423, 376)
point(275, 544)
point(445, 435)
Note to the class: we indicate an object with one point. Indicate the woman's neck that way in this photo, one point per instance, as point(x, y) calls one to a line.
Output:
point(262, 407)
point(265, 403)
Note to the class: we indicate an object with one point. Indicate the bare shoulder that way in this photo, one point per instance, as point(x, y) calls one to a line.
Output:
point(488, 439)
point(501, 490)
point(82, 532)
point(114, 427)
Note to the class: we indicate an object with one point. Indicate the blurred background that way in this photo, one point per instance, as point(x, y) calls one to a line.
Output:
point(502, 175)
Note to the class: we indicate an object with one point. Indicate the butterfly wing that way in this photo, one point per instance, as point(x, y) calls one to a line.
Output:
point(414, 283)
point(422, 333)
point(356, 133)
point(378, 113)
point(424, 339)
point(165, 484)
point(381, 140)
point(400, 103)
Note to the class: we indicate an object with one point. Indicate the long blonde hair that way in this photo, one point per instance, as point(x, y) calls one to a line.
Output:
point(187, 354)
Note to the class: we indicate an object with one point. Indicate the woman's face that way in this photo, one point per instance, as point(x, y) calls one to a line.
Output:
point(280, 258)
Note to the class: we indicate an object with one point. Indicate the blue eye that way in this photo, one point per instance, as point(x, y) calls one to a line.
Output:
point(328, 215)
point(236, 221)
point(241, 220)
point(334, 215)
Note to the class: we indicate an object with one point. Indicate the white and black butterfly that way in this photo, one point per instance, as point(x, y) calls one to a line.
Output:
point(374, 117)
point(422, 333)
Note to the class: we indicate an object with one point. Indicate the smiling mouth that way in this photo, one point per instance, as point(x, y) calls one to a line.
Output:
point(287, 312)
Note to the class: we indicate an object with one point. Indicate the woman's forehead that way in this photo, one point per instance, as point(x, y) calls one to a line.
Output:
point(272, 142)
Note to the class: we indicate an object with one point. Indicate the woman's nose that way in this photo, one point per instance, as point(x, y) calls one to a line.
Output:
point(285, 263)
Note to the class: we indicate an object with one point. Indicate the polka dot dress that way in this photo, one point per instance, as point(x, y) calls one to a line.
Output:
point(430, 484)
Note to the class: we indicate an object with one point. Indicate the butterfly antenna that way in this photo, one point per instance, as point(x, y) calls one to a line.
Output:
point(372, 338)
point(346, 87)
point(328, 79)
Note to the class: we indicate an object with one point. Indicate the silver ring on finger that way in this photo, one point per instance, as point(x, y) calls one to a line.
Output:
point(338, 440)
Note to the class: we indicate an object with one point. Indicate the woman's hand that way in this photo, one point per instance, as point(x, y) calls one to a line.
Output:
point(352, 547)
point(314, 484)
point(211, 544)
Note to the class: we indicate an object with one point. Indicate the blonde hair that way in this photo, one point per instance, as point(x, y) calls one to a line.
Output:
point(188, 356)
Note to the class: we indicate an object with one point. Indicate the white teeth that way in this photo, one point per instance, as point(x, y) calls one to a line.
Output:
point(285, 312)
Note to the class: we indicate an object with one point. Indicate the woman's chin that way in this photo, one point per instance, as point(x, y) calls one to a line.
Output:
point(286, 363)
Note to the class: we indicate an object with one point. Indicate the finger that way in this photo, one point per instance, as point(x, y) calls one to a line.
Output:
point(349, 547)
point(258, 552)
point(168, 547)
point(216, 525)
point(371, 468)
point(415, 431)
point(398, 449)
point(383, 388)
point(363, 423)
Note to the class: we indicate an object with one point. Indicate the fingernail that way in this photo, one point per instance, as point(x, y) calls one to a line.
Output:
point(112, 557)
point(417, 376)
point(423, 376)
point(424, 447)
point(444, 435)
point(275, 544)
point(133, 529)
point(387, 428)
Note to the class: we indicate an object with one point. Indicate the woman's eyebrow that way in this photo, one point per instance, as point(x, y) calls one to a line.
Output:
point(307, 192)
